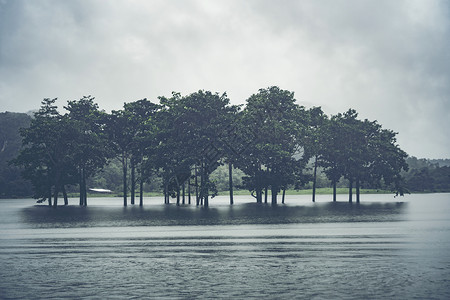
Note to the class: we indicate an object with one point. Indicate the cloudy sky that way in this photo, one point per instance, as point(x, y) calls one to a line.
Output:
point(389, 60)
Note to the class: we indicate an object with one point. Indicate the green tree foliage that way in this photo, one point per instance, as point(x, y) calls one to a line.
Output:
point(47, 156)
point(185, 138)
point(130, 132)
point(141, 115)
point(190, 130)
point(427, 175)
point(90, 149)
point(362, 151)
point(271, 118)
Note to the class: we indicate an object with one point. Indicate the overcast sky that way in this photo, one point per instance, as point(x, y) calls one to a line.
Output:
point(389, 60)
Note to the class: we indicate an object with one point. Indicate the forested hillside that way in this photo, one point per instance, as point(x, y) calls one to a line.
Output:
point(11, 182)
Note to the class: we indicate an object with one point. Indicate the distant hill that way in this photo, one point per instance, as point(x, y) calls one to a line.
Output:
point(11, 183)
point(441, 162)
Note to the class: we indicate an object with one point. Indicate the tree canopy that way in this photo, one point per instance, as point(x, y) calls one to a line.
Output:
point(183, 139)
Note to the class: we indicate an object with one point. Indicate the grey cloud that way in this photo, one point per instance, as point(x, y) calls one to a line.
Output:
point(387, 59)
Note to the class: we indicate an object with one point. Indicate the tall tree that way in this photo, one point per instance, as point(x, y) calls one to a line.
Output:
point(121, 136)
point(90, 149)
point(141, 115)
point(47, 156)
point(315, 141)
point(272, 120)
point(191, 130)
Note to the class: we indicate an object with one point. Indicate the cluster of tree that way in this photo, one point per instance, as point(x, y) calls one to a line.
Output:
point(427, 175)
point(183, 139)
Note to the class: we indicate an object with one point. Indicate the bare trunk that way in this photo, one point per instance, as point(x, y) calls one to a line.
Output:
point(49, 196)
point(197, 200)
point(357, 190)
point(184, 193)
point(274, 195)
point(314, 180)
point(55, 196)
point(206, 182)
point(350, 191)
point(230, 181)
point(189, 190)
point(124, 169)
point(66, 199)
point(133, 181)
point(334, 191)
point(141, 191)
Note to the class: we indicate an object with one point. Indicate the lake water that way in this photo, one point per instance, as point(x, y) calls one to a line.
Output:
point(395, 248)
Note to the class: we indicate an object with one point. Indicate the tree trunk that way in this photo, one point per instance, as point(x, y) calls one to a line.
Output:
point(189, 190)
point(350, 191)
point(265, 194)
point(274, 195)
point(197, 200)
point(357, 191)
point(206, 181)
point(55, 196)
point(258, 195)
point(166, 192)
point(141, 191)
point(81, 186)
point(314, 180)
point(184, 193)
point(124, 169)
point(334, 191)
point(178, 195)
point(49, 195)
point(66, 199)
point(133, 181)
point(83, 180)
point(284, 194)
point(230, 181)
point(202, 183)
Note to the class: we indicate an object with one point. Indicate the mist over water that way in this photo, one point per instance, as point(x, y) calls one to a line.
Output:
point(382, 248)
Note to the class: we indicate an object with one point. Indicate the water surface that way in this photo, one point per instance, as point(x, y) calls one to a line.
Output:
point(382, 248)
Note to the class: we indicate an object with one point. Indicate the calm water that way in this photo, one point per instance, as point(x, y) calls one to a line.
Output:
point(384, 248)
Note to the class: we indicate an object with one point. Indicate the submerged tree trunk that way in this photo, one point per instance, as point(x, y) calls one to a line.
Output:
point(350, 191)
point(314, 180)
point(133, 181)
point(189, 190)
point(66, 199)
point(124, 169)
point(49, 196)
point(82, 187)
point(184, 193)
point(357, 191)
point(258, 195)
point(141, 190)
point(230, 182)
point(197, 200)
point(55, 195)
point(206, 193)
point(274, 195)
point(334, 191)
point(166, 192)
